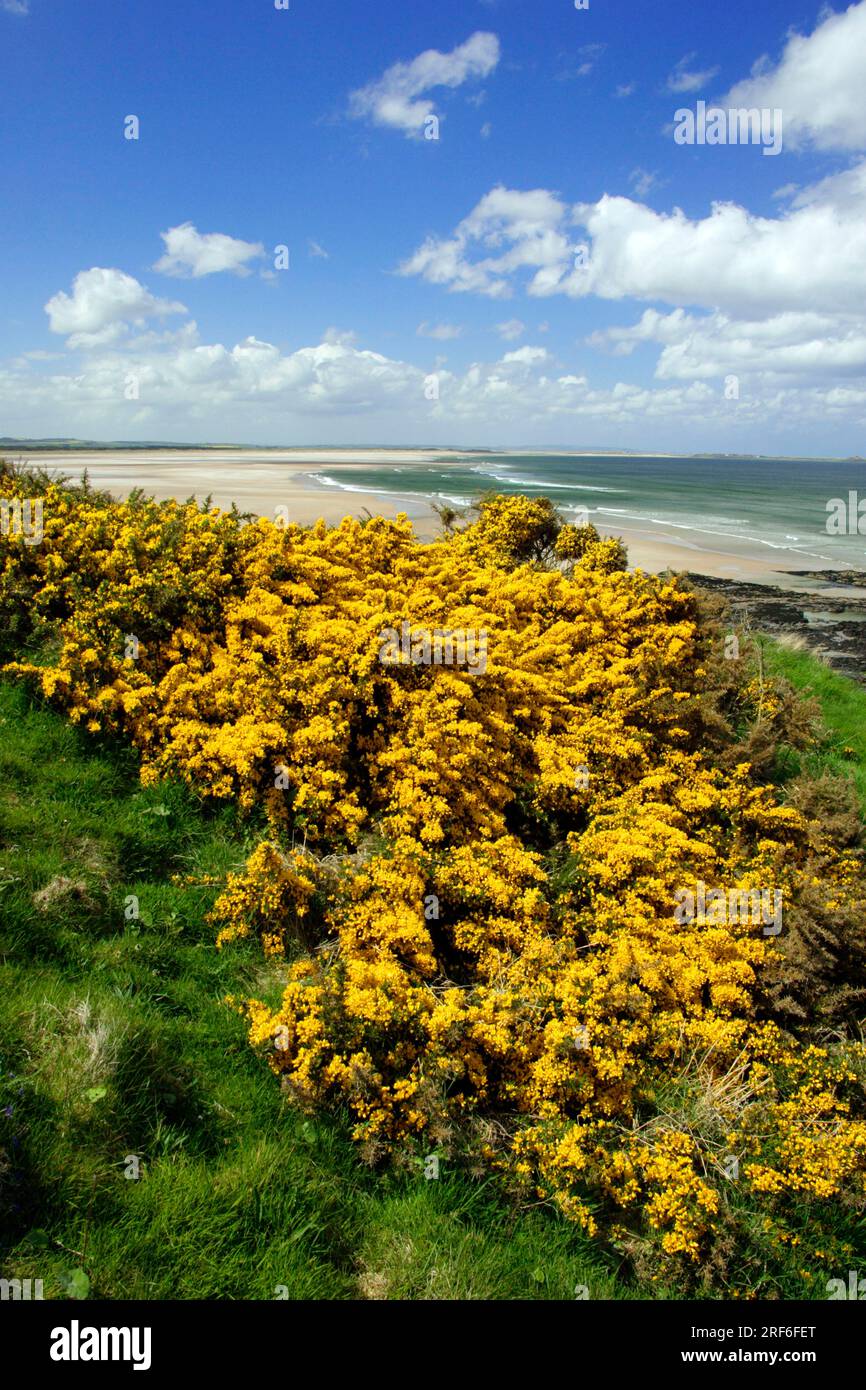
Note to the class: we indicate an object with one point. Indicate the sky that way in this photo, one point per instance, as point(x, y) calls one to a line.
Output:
point(480, 223)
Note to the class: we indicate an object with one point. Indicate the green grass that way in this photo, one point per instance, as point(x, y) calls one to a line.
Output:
point(843, 704)
point(117, 1043)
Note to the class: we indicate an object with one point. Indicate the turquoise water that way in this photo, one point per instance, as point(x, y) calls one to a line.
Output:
point(775, 509)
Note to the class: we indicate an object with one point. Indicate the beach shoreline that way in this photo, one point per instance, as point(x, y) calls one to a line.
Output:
point(292, 483)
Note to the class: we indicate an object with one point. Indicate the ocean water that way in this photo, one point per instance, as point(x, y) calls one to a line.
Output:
point(775, 509)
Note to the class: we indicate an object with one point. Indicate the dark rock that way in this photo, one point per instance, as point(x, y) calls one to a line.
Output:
point(831, 624)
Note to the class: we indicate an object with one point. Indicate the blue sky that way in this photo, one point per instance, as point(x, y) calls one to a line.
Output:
point(433, 293)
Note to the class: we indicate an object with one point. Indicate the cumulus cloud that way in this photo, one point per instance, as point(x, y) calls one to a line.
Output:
point(102, 303)
point(397, 100)
point(811, 257)
point(779, 301)
point(255, 387)
point(330, 378)
point(533, 222)
point(790, 345)
point(818, 84)
point(190, 254)
point(511, 329)
point(532, 356)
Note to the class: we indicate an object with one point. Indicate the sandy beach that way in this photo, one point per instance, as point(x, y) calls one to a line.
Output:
point(261, 480)
point(256, 480)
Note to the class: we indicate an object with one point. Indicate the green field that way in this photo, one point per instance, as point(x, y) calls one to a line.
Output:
point(842, 750)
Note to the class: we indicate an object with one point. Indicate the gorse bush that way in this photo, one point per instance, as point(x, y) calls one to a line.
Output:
point(473, 874)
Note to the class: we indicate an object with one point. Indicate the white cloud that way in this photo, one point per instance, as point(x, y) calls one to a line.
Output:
point(818, 84)
point(318, 251)
point(778, 301)
point(811, 257)
point(532, 356)
point(15, 6)
point(339, 337)
point(845, 192)
point(685, 79)
point(102, 303)
point(511, 329)
point(589, 52)
point(192, 254)
point(582, 70)
point(643, 181)
point(396, 98)
point(253, 389)
point(626, 89)
point(791, 345)
point(486, 130)
point(442, 331)
point(200, 380)
point(532, 221)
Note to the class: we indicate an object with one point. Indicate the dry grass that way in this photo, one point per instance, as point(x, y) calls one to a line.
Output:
point(61, 889)
point(703, 1103)
point(74, 1051)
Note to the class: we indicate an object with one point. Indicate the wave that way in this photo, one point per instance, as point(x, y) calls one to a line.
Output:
point(327, 481)
point(447, 497)
point(542, 483)
point(704, 530)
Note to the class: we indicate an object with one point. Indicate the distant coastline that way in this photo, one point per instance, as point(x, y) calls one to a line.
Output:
point(62, 445)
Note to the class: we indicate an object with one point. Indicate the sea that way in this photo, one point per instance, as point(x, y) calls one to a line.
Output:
point(799, 514)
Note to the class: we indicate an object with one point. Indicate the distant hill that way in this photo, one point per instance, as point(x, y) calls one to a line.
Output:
point(9, 442)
